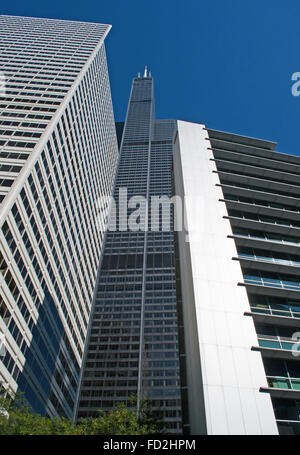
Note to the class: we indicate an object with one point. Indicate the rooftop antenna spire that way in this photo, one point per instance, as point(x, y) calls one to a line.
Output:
point(139, 74)
point(145, 72)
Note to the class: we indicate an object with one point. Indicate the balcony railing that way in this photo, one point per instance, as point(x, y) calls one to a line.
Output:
point(282, 382)
point(276, 343)
point(274, 310)
point(270, 282)
point(266, 237)
point(273, 260)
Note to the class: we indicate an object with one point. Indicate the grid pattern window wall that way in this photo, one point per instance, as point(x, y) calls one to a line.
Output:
point(39, 60)
point(51, 237)
point(133, 342)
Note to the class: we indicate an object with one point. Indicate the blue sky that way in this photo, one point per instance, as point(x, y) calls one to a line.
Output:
point(225, 63)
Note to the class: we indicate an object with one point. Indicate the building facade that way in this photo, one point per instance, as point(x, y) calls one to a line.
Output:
point(240, 282)
point(196, 308)
point(58, 154)
point(133, 346)
point(198, 319)
point(233, 283)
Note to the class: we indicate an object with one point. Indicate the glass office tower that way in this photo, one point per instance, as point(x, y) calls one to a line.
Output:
point(132, 348)
point(58, 154)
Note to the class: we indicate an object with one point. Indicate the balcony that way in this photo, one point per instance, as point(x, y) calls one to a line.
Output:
point(283, 315)
point(274, 281)
point(274, 353)
point(259, 193)
point(264, 209)
point(277, 228)
point(273, 320)
point(282, 387)
point(271, 284)
point(268, 264)
point(265, 243)
point(277, 348)
point(267, 174)
point(268, 162)
point(288, 310)
point(242, 144)
point(271, 291)
point(260, 184)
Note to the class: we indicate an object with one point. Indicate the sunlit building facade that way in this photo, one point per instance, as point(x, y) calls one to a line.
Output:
point(58, 154)
point(240, 282)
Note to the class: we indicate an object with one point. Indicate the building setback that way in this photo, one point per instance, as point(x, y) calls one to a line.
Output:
point(58, 154)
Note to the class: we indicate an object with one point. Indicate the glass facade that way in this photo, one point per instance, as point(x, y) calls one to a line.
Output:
point(58, 137)
point(133, 346)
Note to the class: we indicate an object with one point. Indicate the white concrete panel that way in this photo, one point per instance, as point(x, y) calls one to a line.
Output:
point(218, 411)
point(236, 423)
point(212, 365)
point(250, 410)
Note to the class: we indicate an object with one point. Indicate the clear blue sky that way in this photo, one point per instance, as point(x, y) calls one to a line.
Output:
point(225, 63)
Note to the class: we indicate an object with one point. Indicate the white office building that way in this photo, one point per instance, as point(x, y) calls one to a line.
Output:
point(58, 154)
point(239, 266)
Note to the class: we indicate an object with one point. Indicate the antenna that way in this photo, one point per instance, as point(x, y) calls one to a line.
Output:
point(145, 72)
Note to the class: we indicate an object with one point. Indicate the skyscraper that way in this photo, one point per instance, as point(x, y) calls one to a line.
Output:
point(200, 320)
point(224, 374)
point(133, 346)
point(190, 300)
point(58, 154)
point(240, 282)
point(261, 193)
